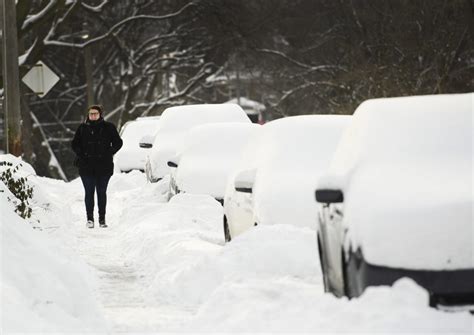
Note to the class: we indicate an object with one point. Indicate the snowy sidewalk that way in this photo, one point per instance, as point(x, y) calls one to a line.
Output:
point(163, 266)
point(122, 285)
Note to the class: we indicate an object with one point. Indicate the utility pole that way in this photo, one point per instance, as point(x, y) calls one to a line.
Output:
point(11, 78)
point(89, 78)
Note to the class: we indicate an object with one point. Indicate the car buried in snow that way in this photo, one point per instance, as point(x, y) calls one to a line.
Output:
point(209, 154)
point(175, 122)
point(397, 199)
point(275, 179)
point(137, 136)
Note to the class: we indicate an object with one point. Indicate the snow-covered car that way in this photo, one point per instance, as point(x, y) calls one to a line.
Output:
point(175, 122)
point(137, 136)
point(397, 199)
point(274, 182)
point(209, 155)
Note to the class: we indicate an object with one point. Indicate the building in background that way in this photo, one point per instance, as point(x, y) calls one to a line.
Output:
point(254, 109)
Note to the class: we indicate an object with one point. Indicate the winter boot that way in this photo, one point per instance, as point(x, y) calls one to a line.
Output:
point(90, 224)
point(102, 223)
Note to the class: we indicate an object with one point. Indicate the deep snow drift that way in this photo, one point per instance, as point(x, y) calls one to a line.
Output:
point(164, 267)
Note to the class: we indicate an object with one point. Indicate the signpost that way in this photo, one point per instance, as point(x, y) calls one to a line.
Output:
point(40, 79)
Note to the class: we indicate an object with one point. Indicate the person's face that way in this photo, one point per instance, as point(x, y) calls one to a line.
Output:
point(94, 114)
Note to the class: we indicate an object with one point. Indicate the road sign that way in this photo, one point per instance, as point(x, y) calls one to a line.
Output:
point(40, 79)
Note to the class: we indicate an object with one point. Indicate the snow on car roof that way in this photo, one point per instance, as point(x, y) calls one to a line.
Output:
point(415, 128)
point(185, 117)
point(304, 136)
point(217, 137)
point(133, 131)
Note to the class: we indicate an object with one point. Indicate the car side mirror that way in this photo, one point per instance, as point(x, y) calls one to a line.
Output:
point(327, 196)
point(146, 142)
point(244, 181)
point(174, 161)
point(172, 164)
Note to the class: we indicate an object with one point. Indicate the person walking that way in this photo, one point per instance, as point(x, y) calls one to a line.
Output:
point(94, 143)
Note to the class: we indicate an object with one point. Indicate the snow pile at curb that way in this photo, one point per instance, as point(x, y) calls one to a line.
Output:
point(171, 237)
point(45, 286)
point(288, 305)
point(261, 255)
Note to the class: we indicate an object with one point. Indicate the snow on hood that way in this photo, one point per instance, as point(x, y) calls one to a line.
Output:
point(286, 199)
point(408, 210)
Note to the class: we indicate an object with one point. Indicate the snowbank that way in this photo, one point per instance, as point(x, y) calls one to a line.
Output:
point(290, 305)
point(45, 286)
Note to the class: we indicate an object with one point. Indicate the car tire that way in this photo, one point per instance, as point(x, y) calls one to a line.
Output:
point(227, 235)
point(349, 278)
point(344, 275)
point(323, 267)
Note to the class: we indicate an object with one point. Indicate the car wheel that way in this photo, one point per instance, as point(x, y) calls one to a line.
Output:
point(227, 236)
point(348, 278)
point(323, 267)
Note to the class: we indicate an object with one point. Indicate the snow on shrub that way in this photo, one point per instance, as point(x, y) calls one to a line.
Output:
point(16, 182)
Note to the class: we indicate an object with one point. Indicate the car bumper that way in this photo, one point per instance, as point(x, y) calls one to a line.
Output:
point(446, 287)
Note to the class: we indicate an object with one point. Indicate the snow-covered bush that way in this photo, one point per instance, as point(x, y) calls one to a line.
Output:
point(18, 186)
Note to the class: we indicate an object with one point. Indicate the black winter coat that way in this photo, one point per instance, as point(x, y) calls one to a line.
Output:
point(95, 142)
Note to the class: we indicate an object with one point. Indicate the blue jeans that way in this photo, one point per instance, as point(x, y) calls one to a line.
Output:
point(91, 184)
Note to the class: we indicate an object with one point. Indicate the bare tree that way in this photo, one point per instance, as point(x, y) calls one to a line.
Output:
point(145, 55)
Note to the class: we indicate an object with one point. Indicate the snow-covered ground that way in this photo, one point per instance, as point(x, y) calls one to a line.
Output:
point(164, 267)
